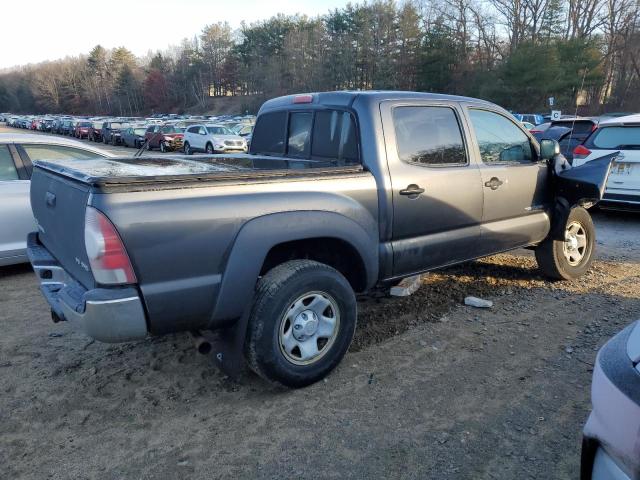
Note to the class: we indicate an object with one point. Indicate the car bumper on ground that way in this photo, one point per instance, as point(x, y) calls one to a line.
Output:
point(611, 445)
point(106, 314)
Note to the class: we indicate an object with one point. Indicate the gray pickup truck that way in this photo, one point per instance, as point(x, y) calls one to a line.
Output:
point(341, 193)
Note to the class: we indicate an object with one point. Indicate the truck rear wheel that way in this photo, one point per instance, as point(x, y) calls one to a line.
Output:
point(571, 258)
point(302, 322)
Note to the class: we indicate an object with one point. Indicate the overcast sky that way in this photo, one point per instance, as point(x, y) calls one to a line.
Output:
point(37, 30)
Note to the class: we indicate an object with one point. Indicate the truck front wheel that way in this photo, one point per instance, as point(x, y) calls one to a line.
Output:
point(302, 322)
point(569, 258)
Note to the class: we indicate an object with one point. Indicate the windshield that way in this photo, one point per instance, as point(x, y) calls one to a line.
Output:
point(171, 129)
point(119, 125)
point(139, 131)
point(85, 124)
point(214, 130)
point(617, 137)
point(97, 124)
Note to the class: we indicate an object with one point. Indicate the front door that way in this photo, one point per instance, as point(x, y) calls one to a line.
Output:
point(436, 189)
point(517, 190)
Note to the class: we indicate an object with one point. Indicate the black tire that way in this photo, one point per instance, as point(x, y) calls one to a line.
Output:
point(275, 294)
point(113, 140)
point(209, 149)
point(550, 254)
point(187, 148)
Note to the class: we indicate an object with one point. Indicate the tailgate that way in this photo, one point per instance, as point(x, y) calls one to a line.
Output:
point(59, 205)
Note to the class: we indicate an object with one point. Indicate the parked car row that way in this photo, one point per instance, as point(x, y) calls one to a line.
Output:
point(220, 134)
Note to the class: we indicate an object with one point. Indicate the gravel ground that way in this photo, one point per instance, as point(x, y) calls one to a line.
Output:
point(430, 388)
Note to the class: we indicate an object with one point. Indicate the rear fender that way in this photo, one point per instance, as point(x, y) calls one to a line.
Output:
point(259, 235)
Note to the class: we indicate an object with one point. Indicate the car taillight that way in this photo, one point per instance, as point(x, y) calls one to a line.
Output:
point(581, 152)
point(109, 261)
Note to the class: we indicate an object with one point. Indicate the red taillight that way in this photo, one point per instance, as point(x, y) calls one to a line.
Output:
point(109, 261)
point(303, 99)
point(581, 152)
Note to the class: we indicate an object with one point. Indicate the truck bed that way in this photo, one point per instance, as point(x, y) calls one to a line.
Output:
point(129, 173)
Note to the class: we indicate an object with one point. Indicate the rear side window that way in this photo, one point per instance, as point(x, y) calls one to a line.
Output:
point(618, 137)
point(334, 136)
point(193, 129)
point(269, 135)
point(299, 134)
point(428, 136)
point(499, 139)
point(7, 168)
point(56, 152)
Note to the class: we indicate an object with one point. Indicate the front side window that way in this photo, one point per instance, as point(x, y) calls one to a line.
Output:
point(7, 168)
point(499, 139)
point(57, 152)
point(299, 134)
point(429, 136)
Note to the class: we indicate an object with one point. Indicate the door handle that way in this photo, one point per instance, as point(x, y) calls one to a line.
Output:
point(412, 191)
point(494, 183)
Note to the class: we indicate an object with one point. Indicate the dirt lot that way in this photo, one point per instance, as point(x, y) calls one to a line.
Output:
point(431, 388)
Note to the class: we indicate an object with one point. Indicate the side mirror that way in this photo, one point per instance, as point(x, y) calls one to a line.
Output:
point(549, 149)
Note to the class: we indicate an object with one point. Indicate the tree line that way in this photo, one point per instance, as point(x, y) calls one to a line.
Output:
point(517, 53)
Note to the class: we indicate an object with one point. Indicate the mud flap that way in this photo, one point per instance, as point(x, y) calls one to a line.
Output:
point(581, 186)
point(228, 348)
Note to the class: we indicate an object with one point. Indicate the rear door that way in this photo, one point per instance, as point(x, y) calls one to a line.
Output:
point(16, 219)
point(516, 186)
point(437, 193)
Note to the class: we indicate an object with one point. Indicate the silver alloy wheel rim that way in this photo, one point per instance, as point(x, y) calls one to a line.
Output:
point(575, 243)
point(309, 328)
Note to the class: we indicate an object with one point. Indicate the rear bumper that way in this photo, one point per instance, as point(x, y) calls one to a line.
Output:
point(109, 315)
point(622, 201)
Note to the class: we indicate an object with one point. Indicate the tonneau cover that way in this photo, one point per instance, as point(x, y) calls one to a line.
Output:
point(175, 168)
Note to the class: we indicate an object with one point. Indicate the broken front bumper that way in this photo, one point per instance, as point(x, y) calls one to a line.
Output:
point(107, 314)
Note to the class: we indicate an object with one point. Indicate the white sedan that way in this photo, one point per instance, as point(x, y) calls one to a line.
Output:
point(17, 152)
